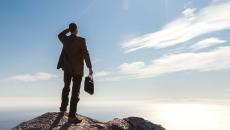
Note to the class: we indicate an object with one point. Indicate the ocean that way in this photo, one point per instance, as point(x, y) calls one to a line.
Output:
point(172, 116)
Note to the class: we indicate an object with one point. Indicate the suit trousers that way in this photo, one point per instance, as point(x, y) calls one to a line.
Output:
point(76, 80)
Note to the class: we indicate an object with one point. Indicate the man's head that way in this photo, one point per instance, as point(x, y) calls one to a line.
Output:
point(73, 28)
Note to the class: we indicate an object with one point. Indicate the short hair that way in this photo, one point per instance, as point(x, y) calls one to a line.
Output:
point(72, 27)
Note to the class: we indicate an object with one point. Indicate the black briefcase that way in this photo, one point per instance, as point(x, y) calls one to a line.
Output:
point(89, 85)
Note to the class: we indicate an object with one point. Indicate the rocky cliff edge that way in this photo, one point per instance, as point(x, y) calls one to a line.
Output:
point(56, 121)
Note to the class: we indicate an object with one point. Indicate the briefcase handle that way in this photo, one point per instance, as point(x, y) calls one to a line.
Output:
point(90, 76)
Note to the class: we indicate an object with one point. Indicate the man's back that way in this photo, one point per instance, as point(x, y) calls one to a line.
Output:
point(73, 54)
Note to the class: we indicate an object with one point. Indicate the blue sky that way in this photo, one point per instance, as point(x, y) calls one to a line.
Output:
point(139, 49)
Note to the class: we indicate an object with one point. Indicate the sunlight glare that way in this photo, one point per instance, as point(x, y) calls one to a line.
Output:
point(192, 116)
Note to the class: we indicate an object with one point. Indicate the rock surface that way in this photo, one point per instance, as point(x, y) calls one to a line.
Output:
point(55, 121)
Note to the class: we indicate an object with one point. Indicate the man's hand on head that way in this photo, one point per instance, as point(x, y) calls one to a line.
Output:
point(67, 29)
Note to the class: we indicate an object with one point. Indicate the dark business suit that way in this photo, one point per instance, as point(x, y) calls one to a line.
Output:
point(71, 61)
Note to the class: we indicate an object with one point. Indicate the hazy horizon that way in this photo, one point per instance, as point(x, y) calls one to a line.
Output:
point(183, 115)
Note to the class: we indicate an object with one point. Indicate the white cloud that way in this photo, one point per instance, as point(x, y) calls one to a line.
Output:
point(207, 43)
point(33, 77)
point(101, 74)
point(189, 13)
point(132, 68)
point(213, 18)
point(204, 61)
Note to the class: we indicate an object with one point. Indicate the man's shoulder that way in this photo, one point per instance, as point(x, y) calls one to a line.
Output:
point(81, 38)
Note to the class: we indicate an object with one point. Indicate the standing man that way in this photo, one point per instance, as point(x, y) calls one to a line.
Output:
point(71, 60)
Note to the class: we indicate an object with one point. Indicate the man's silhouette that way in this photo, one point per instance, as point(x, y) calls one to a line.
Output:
point(71, 61)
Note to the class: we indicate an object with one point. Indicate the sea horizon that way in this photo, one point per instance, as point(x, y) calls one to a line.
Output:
point(179, 115)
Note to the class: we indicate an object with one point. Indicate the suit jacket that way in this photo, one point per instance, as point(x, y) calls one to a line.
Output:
point(73, 54)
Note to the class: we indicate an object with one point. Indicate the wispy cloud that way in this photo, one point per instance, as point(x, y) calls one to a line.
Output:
point(33, 77)
point(132, 68)
point(204, 61)
point(101, 74)
point(189, 13)
point(191, 24)
point(207, 43)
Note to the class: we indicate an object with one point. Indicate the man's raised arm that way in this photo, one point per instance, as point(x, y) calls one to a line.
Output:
point(62, 36)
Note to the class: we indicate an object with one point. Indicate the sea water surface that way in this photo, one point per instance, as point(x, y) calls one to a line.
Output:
point(171, 115)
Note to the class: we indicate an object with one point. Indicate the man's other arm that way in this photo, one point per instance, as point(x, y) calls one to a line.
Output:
point(62, 36)
point(87, 57)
